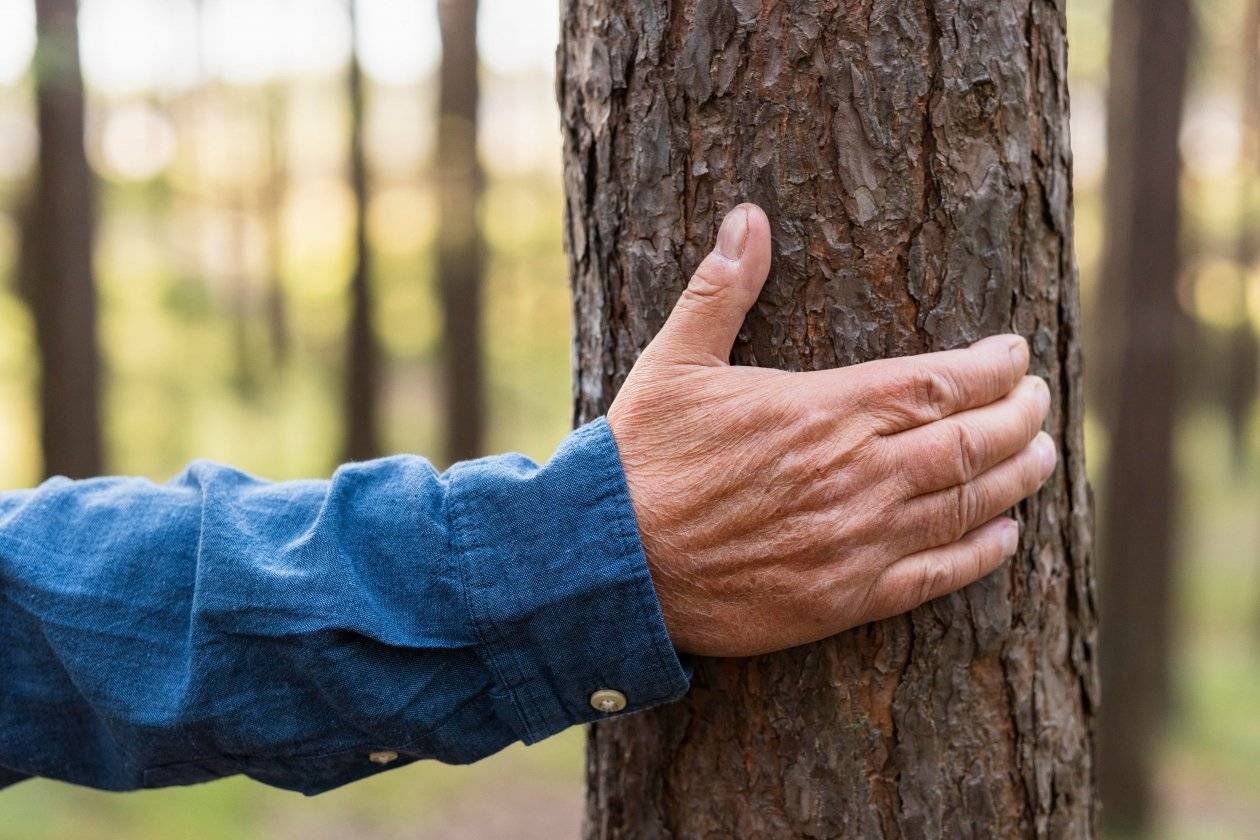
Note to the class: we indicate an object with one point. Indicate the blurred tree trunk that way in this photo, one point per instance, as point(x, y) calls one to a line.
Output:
point(1244, 353)
point(362, 378)
point(1150, 54)
point(57, 247)
point(245, 377)
point(1244, 349)
point(915, 163)
point(461, 247)
point(273, 206)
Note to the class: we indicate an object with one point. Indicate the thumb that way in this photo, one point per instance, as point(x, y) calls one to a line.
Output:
point(707, 318)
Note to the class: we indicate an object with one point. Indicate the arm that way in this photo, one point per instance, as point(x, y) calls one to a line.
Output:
point(310, 634)
point(305, 633)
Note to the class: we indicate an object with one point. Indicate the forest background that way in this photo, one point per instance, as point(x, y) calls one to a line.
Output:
point(219, 133)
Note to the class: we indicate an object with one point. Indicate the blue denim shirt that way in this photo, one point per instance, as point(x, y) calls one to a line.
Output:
point(308, 634)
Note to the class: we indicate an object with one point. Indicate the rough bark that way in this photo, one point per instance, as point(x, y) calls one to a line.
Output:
point(56, 262)
point(362, 378)
point(461, 247)
point(914, 160)
point(1151, 43)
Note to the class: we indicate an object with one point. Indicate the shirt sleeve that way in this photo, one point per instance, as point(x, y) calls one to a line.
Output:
point(308, 634)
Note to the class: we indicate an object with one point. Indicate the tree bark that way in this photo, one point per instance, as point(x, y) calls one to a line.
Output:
point(914, 160)
point(1151, 45)
point(461, 246)
point(362, 378)
point(56, 262)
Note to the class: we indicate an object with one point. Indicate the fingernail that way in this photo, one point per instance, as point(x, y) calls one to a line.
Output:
point(1046, 453)
point(1019, 353)
point(1043, 391)
point(1010, 538)
point(733, 234)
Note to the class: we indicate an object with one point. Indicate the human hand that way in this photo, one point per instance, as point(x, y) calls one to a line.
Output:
point(781, 508)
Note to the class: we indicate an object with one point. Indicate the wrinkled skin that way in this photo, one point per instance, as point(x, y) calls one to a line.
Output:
point(780, 508)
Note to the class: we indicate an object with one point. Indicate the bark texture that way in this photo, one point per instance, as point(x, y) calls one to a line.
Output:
point(363, 363)
point(914, 161)
point(461, 246)
point(1151, 46)
point(56, 262)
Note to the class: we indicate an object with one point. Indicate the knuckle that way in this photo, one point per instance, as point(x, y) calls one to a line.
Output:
point(936, 579)
point(947, 522)
point(971, 499)
point(969, 443)
point(700, 295)
point(933, 391)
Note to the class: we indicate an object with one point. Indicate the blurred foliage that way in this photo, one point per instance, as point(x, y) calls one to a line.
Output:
point(184, 233)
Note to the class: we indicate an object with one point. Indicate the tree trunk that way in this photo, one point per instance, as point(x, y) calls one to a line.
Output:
point(56, 261)
point(1151, 43)
point(245, 378)
point(362, 377)
point(914, 160)
point(461, 247)
point(274, 194)
point(1243, 348)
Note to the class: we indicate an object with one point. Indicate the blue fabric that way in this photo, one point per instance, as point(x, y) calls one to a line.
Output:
point(156, 635)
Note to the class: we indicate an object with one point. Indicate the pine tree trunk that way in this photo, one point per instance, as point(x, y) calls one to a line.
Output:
point(362, 378)
point(461, 247)
point(56, 261)
point(914, 160)
point(1151, 43)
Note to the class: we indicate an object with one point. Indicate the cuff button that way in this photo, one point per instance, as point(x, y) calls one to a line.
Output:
point(607, 700)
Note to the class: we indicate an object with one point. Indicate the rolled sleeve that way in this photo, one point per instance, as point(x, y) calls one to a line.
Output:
point(310, 634)
point(557, 584)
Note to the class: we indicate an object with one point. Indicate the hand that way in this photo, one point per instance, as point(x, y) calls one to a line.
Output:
point(781, 508)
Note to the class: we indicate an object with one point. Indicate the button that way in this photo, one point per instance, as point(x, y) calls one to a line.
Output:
point(608, 701)
point(383, 757)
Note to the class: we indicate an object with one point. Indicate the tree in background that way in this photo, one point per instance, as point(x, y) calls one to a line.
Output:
point(362, 376)
point(1150, 54)
point(57, 246)
point(1244, 352)
point(246, 376)
point(274, 105)
point(460, 245)
point(1244, 349)
point(915, 163)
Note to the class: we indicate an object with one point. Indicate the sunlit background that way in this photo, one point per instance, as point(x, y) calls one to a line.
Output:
point(218, 132)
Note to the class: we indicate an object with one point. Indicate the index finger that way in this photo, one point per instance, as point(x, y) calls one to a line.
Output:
point(912, 391)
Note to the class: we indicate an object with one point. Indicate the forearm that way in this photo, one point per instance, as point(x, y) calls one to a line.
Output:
point(306, 633)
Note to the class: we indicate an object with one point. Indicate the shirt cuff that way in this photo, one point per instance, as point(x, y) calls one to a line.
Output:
point(558, 586)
